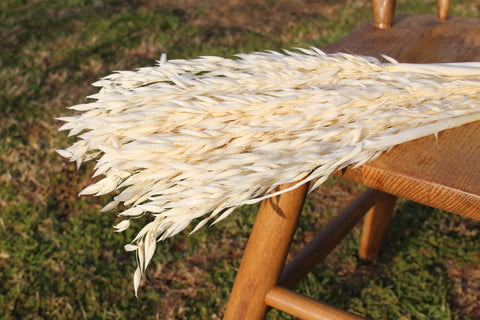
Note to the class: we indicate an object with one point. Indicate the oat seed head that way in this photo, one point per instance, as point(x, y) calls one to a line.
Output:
point(189, 139)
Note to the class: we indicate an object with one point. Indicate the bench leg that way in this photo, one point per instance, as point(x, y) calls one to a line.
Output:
point(265, 254)
point(375, 227)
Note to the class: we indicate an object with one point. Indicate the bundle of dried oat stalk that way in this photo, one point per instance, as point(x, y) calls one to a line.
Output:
point(198, 138)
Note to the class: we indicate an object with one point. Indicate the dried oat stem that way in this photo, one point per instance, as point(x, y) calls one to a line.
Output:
point(198, 138)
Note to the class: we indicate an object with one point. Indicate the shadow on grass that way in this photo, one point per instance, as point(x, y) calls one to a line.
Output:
point(417, 275)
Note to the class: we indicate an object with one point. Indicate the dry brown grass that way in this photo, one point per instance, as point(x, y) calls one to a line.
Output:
point(39, 203)
point(264, 17)
point(466, 289)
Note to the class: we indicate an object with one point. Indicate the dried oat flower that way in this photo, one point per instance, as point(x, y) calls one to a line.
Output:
point(197, 138)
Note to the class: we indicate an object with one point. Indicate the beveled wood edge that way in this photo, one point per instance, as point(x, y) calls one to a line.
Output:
point(433, 190)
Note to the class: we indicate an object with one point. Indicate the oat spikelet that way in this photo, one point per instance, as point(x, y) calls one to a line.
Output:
point(198, 138)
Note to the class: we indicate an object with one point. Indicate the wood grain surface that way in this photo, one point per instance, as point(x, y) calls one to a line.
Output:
point(265, 254)
point(304, 307)
point(444, 172)
point(383, 13)
point(375, 226)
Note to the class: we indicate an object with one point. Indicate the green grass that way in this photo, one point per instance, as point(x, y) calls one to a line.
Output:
point(59, 256)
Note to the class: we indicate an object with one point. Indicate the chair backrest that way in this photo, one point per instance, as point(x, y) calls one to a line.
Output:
point(384, 10)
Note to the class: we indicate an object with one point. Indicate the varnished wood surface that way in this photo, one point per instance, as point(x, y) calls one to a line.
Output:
point(443, 173)
point(304, 307)
point(416, 39)
point(442, 9)
point(265, 254)
point(375, 227)
point(383, 12)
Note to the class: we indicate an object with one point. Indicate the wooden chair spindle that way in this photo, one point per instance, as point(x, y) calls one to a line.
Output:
point(442, 9)
point(383, 12)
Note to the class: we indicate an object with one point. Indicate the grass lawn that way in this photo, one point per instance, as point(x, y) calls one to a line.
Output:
point(59, 256)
